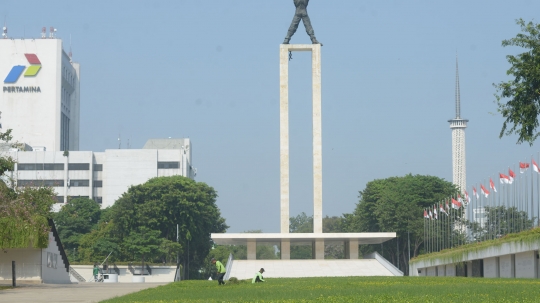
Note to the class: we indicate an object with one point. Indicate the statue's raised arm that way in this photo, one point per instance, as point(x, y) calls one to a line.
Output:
point(301, 14)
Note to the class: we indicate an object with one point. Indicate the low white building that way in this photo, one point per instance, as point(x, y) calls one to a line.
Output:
point(101, 176)
point(37, 265)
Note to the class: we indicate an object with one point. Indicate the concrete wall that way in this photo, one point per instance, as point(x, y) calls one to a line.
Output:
point(35, 265)
point(441, 270)
point(54, 272)
point(159, 273)
point(491, 267)
point(526, 264)
point(450, 270)
point(28, 264)
point(509, 260)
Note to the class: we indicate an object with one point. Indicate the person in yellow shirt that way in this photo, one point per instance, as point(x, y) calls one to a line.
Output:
point(258, 276)
point(220, 271)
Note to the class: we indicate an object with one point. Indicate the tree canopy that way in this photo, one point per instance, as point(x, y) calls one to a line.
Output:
point(518, 99)
point(396, 205)
point(24, 211)
point(143, 223)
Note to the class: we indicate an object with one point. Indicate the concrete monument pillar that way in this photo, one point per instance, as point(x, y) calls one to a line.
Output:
point(315, 50)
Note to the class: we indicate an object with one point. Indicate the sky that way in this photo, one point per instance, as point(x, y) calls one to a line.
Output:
point(209, 70)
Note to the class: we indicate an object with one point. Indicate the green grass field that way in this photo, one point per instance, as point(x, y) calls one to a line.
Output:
point(351, 289)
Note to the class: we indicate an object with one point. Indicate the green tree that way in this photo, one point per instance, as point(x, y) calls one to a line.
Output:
point(75, 219)
point(522, 93)
point(396, 205)
point(162, 203)
point(99, 243)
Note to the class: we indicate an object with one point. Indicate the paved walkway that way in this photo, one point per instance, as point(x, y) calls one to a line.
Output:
point(76, 293)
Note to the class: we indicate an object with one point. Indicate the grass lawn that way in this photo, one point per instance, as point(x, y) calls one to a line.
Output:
point(2, 287)
point(351, 289)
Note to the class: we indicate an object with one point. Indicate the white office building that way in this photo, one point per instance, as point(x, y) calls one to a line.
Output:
point(101, 176)
point(40, 103)
point(40, 92)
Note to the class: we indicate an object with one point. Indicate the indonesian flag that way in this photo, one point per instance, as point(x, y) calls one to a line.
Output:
point(535, 166)
point(426, 214)
point(504, 178)
point(435, 212)
point(430, 214)
point(475, 193)
point(456, 204)
point(441, 209)
point(459, 198)
point(467, 198)
point(484, 191)
point(492, 185)
point(523, 167)
point(447, 207)
point(511, 176)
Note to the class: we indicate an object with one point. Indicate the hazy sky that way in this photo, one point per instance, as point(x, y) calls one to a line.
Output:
point(209, 70)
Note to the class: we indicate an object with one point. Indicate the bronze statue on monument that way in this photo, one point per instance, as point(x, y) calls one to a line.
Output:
point(301, 14)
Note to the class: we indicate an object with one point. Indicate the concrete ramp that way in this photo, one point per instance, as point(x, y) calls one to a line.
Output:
point(246, 269)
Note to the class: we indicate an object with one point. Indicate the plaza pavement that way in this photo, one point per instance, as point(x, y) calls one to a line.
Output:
point(72, 293)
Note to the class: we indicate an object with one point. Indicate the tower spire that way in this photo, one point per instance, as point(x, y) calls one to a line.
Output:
point(458, 102)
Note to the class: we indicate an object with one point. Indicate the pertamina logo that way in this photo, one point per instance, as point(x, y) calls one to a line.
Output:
point(16, 72)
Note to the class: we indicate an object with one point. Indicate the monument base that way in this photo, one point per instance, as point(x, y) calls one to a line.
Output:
point(318, 240)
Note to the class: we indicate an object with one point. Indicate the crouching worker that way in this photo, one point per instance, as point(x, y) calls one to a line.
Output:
point(258, 276)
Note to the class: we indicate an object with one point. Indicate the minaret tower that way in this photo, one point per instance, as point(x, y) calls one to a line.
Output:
point(458, 126)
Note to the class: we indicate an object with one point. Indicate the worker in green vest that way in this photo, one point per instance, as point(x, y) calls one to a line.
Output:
point(95, 272)
point(258, 276)
point(220, 271)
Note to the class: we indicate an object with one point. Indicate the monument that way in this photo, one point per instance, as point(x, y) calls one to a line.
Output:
point(318, 239)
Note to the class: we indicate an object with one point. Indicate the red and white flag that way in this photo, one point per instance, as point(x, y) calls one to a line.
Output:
point(459, 198)
point(504, 178)
point(435, 212)
point(430, 215)
point(535, 166)
point(484, 191)
point(475, 193)
point(523, 167)
point(467, 198)
point(492, 185)
point(511, 176)
point(426, 214)
point(441, 209)
point(447, 207)
point(456, 204)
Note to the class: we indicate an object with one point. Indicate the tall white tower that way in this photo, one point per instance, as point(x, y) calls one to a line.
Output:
point(458, 126)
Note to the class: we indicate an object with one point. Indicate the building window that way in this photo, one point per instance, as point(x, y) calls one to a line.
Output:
point(39, 183)
point(98, 183)
point(79, 183)
point(98, 167)
point(40, 166)
point(53, 166)
point(59, 199)
point(78, 166)
point(98, 200)
point(168, 165)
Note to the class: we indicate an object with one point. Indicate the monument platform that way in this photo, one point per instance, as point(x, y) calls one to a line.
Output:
point(350, 240)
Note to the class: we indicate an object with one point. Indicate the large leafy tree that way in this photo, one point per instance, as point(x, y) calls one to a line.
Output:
point(518, 99)
point(303, 223)
point(75, 219)
point(143, 221)
point(396, 205)
point(24, 211)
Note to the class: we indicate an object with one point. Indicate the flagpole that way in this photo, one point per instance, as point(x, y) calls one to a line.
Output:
point(532, 194)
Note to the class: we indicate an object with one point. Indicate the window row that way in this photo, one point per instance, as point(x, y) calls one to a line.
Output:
point(58, 166)
point(168, 165)
point(59, 183)
point(60, 199)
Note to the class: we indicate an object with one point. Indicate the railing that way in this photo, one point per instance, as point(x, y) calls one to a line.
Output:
point(75, 274)
point(228, 267)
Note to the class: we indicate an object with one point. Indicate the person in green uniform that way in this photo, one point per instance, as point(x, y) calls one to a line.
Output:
point(258, 276)
point(95, 272)
point(220, 271)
